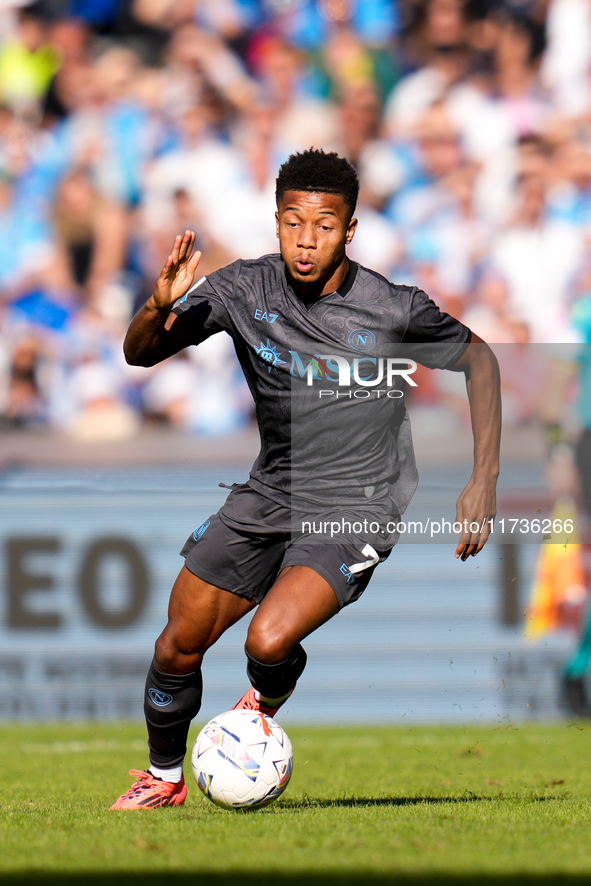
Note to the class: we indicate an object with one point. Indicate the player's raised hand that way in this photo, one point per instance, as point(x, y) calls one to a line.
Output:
point(178, 273)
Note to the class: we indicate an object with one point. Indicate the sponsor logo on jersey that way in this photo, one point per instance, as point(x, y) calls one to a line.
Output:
point(270, 355)
point(362, 340)
point(159, 698)
point(265, 316)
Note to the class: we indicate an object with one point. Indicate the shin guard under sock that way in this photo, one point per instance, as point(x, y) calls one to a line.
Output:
point(170, 703)
point(275, 681)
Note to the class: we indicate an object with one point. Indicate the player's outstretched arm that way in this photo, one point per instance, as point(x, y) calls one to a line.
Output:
point(154, 333)
point(478, 502)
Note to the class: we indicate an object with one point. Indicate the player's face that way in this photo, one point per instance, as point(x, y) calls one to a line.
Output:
point(313, 231)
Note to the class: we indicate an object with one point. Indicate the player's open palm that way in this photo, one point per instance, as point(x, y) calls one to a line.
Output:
point(178, 273)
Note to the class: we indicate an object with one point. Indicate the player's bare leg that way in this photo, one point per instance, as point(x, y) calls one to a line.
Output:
point(198, 614)
point(297, 604)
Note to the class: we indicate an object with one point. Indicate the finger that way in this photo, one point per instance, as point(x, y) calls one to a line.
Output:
point(466, 539)
point(186, 247)
point(166, 267)
point(174, 252)
point(470, 551)
point(195, 259)
point(464, 551)
point(484, 531)
point(467, 546)
point(471, 545)
point(479, 548)
point(461, 551)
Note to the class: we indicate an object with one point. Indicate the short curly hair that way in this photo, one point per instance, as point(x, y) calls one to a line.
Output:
point(319, 172)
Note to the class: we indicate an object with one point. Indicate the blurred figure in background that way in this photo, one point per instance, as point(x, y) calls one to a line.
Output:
point(91, 236)
point(28, 62)
point(21, 401)
point(575, 693)
point(540, 257)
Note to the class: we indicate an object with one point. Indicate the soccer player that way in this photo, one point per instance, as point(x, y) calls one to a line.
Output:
point(309, 327)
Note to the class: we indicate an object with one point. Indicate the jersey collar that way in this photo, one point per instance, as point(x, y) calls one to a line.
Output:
point(343, 289)
point(349, 280)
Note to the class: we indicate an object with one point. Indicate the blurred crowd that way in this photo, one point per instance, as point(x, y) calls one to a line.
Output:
point(124, 122)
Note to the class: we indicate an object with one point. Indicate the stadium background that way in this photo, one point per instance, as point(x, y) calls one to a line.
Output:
point(123, 123)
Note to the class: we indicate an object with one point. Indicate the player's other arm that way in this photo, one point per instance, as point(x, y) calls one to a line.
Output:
point(155, 333)
point(477, 503)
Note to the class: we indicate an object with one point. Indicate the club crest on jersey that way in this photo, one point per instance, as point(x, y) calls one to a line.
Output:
point(270, 355)
point(362, 339)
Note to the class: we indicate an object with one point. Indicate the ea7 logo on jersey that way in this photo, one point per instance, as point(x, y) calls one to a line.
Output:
point(348, 574)
point(267, 317)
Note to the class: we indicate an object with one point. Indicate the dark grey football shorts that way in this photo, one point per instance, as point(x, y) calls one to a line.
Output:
point(244, 547)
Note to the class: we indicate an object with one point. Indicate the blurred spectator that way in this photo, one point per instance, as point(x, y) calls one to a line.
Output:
point(540, 257)
point(359, 118)
point(570, 198)
point(91, 235)
point(303, 118)
point(202, 392)
point(438, 54)
point(515, 84)
point(22, 403)
point(567, 62)
point(27, 63)
point(99, 411)
point(490, 316)
point(25, 239)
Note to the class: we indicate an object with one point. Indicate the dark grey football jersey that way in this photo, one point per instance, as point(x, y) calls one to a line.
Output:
point(328, 378)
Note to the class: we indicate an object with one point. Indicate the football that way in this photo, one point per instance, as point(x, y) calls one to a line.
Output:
point(242, 759)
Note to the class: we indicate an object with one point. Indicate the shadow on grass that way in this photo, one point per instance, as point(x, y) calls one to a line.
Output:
point(304, 878)
point(351, 802)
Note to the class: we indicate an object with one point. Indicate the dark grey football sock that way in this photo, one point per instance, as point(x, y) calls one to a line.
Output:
point(170, 703)
point(276, 680)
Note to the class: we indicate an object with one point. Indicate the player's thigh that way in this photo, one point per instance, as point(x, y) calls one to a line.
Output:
point(316, 581)
point(198, 614)
point(297, 604)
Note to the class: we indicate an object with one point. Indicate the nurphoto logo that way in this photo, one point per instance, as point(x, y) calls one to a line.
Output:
point(366, 372)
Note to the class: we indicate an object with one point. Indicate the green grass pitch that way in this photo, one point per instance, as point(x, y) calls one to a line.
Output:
point(488, 804)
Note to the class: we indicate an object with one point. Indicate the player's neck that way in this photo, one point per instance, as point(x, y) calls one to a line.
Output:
point(311, 291)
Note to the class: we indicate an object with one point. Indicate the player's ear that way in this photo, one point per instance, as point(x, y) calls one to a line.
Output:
point(351, 228)
point(276, 223)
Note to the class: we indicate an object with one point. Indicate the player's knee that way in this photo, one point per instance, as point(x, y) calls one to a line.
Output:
point(170, 658)
point(266, 645)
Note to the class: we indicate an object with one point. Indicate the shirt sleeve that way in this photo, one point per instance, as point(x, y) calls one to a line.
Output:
point(204, 310)
point(438, 339)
